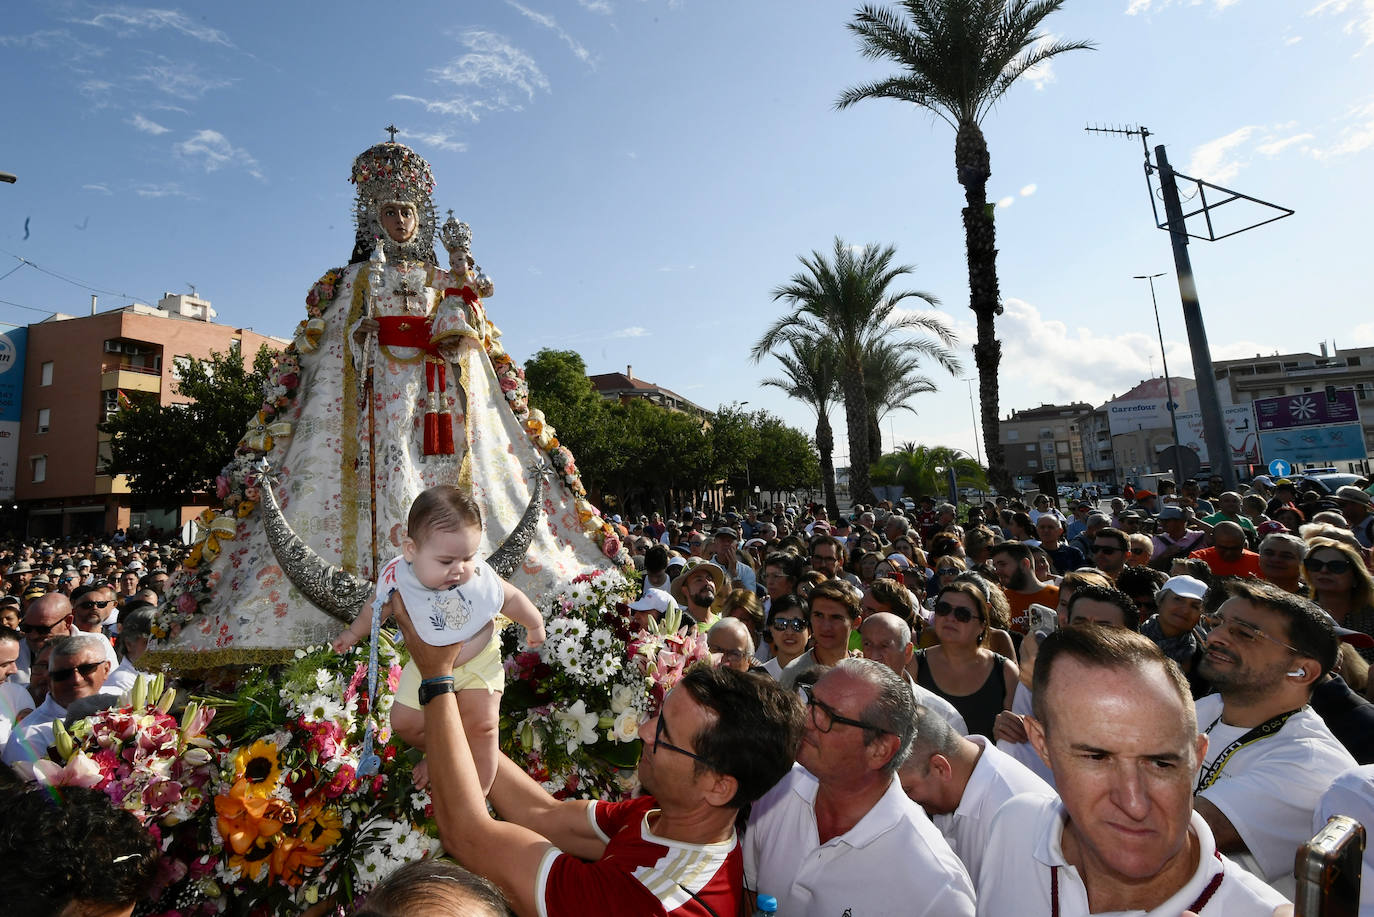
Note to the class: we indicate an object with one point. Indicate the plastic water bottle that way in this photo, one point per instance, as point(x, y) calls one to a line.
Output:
point(766, 906)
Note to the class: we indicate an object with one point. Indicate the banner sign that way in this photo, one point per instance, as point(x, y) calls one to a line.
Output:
point(1313, 445)
point(12, 346)
point(1310, 409)
point(1130, 416)
point(1240, 433)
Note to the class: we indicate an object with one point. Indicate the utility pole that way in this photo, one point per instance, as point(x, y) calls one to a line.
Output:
point(1168, 380)
point(1176, 222)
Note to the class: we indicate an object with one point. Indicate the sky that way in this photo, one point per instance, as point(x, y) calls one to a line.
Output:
point(641, 175)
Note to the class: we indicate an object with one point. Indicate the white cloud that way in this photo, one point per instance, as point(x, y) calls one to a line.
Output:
point(549, 22)
point(1028, 190)
point(146, 126)
point(1218, 160)
point(1356, 137)
point(213, 151)
point(98, 188)
point(1036, 351)
point(68, 46)
point(1292, 40)
point(437, 139)
point(179, 79)
point(632, 332)
point(1360, 21)
point(1275, 147)
point(171, 189)
point(126, 21)
point(1006, 201)
point(486, 78)
point(1136, 7)
point(1042, 74)
point(600, 7)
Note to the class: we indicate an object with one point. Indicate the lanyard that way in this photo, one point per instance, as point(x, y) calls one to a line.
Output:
point(1264, 730)
point(1196, 907)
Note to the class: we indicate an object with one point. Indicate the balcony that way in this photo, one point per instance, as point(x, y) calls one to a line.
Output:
point(129, 378)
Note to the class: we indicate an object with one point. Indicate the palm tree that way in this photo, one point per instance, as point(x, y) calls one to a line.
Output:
point(893, 375)
point(959, 58)
point(848, 301)
point(914, 467)
point(809, 377)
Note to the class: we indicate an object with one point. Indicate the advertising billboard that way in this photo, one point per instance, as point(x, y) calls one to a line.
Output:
point(13, 343)
point(1130, 416)
point(1240, 433)
point(1312, 427)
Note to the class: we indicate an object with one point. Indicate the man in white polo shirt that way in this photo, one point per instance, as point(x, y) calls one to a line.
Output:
point(887, 639)
point(1115, 721)
point(837, 834)
point(1270, 756)
point(961, 782)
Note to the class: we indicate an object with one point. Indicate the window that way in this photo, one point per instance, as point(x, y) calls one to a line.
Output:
point(44, 416)
point(1063, 446)
point(1013, 435)
point(46, 374)
point(39, 464)
point(180, 364)
point(1032, 463)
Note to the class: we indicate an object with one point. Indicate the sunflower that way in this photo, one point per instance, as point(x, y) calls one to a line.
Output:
point(321, 827)
point(259, 765)
point(291, 858)
point(250, 826)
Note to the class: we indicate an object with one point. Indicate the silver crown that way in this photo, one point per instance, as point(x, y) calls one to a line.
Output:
point(456, 236)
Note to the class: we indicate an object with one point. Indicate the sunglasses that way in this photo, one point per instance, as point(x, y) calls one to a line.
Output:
point(1140, 551)
point(948, 571)
point(87, 669)
point(1106, 549)
point(961, 614)
point(796, 624)
point(38, 628)
point(92, 603)
point(1338, 566)
point(828, 716)
point(1243, 631)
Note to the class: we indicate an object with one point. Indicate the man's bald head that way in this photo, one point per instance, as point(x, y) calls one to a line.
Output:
point(46, 618)
point(886, 638)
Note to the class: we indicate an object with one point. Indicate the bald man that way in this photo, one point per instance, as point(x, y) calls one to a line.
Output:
point(886, 638)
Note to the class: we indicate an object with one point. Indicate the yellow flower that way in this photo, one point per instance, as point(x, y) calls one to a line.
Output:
point(321, 827)
point(259, 766)
point(309, 334)
point(244, 508)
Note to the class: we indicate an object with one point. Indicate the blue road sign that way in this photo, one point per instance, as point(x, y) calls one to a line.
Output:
point(1279, 468)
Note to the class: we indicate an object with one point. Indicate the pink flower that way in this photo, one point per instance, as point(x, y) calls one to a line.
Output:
point(79, 771)
point(313, 297)
point(289, 380)
point(186, 603)
point(221, 487)
point(611, 546)
point(508, 384)
point(393, 677)
point(252, 493)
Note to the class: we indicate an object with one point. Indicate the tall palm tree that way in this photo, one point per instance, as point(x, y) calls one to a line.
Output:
point(894, 374)
point(809, 377)
point(848, 300)
point(959, 57)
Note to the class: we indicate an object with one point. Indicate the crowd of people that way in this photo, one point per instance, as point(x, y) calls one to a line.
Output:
point(1147, 706)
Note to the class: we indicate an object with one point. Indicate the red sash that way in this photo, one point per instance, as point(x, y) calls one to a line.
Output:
point(417, 332)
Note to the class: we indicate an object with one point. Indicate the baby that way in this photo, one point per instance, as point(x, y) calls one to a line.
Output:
point(452, 598)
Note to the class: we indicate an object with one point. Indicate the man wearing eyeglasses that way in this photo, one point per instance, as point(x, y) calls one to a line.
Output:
point(95, 610)
point(1269, 756)
point(838, 833)
point(45, 619)
point(78, 669)
point(720, 740)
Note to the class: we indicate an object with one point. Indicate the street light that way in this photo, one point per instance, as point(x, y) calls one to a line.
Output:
point(1168, 382)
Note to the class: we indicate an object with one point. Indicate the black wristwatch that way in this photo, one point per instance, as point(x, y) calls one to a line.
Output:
point(429, 692)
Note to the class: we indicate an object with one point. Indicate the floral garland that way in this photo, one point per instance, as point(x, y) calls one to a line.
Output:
point(572, 708)
point(271, 810)
point(236, 486)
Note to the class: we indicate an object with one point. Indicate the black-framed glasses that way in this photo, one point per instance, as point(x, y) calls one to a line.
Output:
point(825, 716)
point(1337, 566)
point(92, 603)
point(948, 571)
point(796, 624)
point(730, 656)
point(1243, 631)
point(1106, 549)
point(87, 669)
point(42, 629)
point(659, 742)
point(961, 614)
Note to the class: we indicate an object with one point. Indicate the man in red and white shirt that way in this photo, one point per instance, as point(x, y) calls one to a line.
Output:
point(720, 741)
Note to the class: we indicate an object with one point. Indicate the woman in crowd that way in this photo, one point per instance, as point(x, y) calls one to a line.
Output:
point(1341, 584)
point(1022, 528)
point(978, 682)
point(1291, 517)
point(904, 546)
point(978, 544)
point(865, 565)
point(789, 632)
point(946, 569)
point(1139, 549)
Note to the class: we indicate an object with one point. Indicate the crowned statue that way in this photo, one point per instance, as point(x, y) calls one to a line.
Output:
point(395, 381)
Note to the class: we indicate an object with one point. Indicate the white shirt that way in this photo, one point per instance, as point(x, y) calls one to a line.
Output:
point(996, 778)
point(443, 617)
point(1024, 752)
point(1352, 793)
point(30, 739)
point(121, 679)
point(934, 702)
point(1025, 843)
point(893, 862)
point(1270, 788)
point(14, 699)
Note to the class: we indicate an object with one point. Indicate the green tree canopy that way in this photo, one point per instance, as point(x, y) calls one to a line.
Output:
point(169, 452)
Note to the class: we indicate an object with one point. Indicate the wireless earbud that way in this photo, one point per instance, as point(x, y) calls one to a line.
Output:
point(1298, 672)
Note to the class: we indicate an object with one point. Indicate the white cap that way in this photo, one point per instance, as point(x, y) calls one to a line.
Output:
point(1185, 586)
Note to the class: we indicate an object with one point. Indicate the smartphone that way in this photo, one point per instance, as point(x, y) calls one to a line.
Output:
point(1328, 870)
point(1042, 617)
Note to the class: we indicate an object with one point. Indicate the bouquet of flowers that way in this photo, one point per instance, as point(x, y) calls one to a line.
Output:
point(572, 708)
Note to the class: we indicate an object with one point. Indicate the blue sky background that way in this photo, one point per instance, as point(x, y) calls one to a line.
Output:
point(641, 174)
